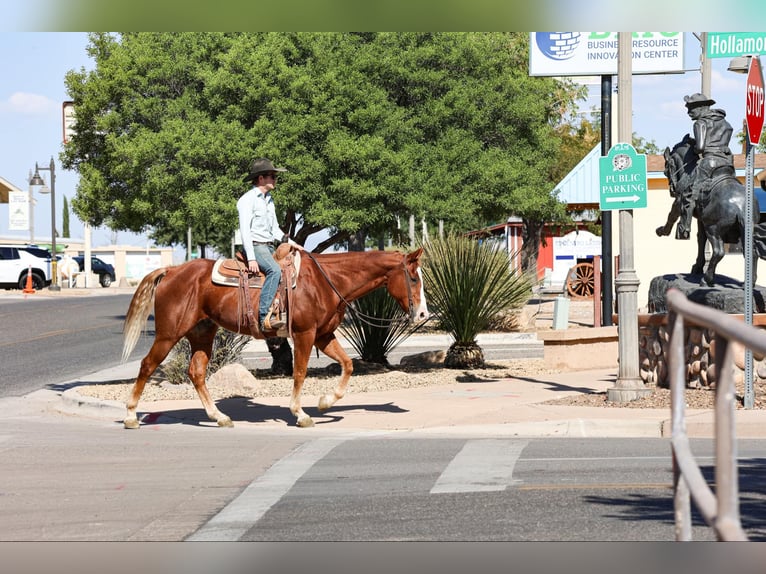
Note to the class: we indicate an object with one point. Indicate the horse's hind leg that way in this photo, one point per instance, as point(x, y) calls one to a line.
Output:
point(158, 352)
point(332, 348)
point(201, 340)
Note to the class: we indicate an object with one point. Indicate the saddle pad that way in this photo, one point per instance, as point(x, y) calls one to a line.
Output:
point(256, 281)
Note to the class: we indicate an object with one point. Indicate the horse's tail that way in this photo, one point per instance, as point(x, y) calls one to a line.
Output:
point(140, 306)
point(759, 240)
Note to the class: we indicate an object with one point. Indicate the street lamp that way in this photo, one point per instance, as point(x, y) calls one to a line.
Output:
point(36, 181)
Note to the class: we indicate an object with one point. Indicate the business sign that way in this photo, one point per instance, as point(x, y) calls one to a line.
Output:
point(733, 44)
point(595, 53)
point(622, 178)
point(18, 211)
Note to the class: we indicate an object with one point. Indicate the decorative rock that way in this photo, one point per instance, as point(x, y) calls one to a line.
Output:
point(424, 359)
point(234, 377)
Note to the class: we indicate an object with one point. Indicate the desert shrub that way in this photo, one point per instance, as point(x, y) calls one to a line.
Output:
point(227, 349)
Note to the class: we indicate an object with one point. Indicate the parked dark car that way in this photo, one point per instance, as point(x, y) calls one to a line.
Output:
point(105, 271)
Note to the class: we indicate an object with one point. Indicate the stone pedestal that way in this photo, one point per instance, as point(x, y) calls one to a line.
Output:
point(699, 349)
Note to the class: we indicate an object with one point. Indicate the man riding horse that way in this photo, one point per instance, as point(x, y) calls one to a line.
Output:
point(711, 142)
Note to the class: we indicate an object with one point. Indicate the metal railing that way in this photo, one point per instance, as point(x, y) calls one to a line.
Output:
point(720, 510)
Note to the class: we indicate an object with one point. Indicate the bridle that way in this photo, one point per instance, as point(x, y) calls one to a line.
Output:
point(369, 319)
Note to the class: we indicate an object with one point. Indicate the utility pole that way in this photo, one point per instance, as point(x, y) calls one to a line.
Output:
point(629, 385)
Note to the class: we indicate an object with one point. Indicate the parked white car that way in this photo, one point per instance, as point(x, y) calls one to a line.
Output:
point(17, 261)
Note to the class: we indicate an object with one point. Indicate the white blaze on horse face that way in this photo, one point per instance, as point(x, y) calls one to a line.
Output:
point(421, 313)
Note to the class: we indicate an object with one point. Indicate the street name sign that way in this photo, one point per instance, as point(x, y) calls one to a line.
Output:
point(754, 101)
point(733, 44)
point(622, 178)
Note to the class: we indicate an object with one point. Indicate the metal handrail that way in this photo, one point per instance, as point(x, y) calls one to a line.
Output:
point(720, 510)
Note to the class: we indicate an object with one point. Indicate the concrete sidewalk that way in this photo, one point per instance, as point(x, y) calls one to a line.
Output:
point(514, 406)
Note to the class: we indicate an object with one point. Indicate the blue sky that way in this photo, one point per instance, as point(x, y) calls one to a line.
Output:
point(33, 65)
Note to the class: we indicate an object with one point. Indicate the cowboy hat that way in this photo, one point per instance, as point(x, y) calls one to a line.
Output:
point(261, 165)
point(696, 100)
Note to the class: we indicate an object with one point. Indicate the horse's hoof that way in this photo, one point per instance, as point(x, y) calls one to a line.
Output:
point(325, 402)
point(305, 422)
point(131, 423)
point(225, 422)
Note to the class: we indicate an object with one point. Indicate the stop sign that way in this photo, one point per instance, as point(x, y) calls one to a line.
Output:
point(754, 106)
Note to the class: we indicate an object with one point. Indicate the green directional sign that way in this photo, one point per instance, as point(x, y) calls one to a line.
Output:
point(733, 44)
point(622, 177)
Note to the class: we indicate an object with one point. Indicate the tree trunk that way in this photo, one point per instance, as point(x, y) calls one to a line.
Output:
point(356, 241)
point(281, 354)
point(531, 235)
point(464, 356)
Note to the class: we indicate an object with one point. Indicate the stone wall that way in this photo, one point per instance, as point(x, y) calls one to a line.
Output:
point(699, 352)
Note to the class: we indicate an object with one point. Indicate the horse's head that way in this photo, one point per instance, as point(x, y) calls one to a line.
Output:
point(679, 164)
point(405, 284)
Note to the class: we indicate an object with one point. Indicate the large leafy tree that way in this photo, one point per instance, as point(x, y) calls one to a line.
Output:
point(373, 127)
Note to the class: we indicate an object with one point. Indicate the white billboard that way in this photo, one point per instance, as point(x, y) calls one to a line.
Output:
point(18, 211)
point(595, 53)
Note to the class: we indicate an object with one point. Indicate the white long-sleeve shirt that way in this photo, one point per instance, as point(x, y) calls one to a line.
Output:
point(257, 220)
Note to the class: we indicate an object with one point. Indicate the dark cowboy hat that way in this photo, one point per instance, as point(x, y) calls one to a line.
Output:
point(697, 100)
point(260, 165)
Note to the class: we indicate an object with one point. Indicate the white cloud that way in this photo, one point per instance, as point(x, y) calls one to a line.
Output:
point(28, 104)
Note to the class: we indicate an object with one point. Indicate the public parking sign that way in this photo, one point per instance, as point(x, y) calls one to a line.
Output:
point(754, 101)
point(622, 175)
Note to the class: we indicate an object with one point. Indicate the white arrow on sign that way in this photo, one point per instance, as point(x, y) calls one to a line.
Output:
point(633, 198)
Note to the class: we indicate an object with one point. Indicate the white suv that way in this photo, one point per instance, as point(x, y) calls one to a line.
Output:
point(16, 261)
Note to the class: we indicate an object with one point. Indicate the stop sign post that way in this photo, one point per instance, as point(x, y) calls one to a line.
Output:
point(754, 109)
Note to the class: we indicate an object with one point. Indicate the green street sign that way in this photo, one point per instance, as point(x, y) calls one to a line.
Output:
point(733, 44)
point(622, 177)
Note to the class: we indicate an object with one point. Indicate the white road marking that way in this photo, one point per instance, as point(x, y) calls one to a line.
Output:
point(244, 511)
point(481, 466)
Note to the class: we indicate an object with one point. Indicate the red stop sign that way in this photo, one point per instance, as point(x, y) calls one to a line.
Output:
point(754, 104)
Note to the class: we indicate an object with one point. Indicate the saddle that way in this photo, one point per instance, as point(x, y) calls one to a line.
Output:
point(235, 273)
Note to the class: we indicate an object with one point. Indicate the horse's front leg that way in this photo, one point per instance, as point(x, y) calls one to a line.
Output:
point(675, 212)
point(302, 345)
point(330, 346)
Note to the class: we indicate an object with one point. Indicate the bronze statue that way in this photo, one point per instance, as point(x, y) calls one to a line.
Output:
point(719, 208)
point(712, 134)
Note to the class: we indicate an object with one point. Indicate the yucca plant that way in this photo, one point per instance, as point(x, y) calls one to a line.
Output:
point(376, 325)
point(467, 283)
point(227, 348)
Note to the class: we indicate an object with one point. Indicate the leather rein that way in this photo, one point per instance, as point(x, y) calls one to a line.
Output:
point(369, 319)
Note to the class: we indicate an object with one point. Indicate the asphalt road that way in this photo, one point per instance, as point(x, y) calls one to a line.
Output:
point(44, 341)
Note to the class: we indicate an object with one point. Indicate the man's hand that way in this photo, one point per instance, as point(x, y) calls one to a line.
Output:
point(253, 267)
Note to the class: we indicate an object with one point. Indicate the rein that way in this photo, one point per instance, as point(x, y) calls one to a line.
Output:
point(369, 319)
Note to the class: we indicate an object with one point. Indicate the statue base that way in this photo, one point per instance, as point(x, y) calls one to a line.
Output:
point(727, 295)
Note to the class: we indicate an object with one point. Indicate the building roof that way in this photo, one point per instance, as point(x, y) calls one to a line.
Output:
point(6, 187)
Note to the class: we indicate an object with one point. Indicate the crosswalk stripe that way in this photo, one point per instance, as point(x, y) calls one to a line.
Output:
point(239, 516)
point(481, 466)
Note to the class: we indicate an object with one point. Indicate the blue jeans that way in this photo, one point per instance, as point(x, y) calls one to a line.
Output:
point(271, 272)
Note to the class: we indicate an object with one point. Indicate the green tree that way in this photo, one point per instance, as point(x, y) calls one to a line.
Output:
point(65, 218)
point(372, 126)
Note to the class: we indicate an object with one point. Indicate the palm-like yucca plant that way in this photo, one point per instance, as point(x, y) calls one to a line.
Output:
point(467, 283)
point(377, 327)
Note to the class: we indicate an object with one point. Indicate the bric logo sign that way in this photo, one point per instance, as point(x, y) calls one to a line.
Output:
point(557, 45)
point(595, 53)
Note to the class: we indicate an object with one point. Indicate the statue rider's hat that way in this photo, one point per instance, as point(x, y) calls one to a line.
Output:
point(697, 100)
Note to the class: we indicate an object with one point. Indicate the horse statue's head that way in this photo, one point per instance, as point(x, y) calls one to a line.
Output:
point(679, 164)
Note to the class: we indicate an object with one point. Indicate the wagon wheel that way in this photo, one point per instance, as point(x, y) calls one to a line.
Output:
point(581, 281)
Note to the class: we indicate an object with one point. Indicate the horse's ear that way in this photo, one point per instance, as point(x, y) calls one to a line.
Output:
point(415, 255)
point(666, 154)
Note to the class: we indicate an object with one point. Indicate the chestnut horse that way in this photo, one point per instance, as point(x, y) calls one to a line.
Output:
point(188, 304)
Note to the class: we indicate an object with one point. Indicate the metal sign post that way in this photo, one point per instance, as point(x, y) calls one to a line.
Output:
point(754, 116)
